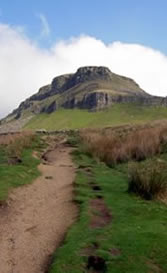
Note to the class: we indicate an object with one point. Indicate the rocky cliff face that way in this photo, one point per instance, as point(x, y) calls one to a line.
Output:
point(91, 87)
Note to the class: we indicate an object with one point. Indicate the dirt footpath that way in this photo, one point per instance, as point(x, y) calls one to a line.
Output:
point(38, 216)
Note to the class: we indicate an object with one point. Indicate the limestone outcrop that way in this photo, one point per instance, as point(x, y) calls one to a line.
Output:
point(91, 88)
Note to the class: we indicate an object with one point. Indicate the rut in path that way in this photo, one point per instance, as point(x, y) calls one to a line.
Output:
point(38, 216)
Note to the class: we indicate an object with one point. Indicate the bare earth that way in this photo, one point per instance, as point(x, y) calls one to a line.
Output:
point(38, 216)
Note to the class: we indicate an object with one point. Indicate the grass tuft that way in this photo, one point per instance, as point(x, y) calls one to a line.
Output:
point(149, 180)
point(19, 143)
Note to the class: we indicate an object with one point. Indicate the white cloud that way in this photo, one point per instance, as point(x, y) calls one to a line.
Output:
point(24, 67)
point(45, 28)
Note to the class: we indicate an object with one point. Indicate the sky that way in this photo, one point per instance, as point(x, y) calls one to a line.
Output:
point(41, 39)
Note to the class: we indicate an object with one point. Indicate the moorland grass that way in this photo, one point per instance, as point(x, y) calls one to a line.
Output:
point(148, 179)
point(18, 174)
point(114, 148)
point(136, 239)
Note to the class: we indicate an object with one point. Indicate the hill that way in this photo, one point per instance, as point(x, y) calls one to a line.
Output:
point(90, 88)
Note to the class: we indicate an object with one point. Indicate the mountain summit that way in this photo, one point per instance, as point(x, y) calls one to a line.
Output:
point(91, 87)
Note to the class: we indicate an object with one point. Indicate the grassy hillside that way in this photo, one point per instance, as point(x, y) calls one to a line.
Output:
point(118, 114)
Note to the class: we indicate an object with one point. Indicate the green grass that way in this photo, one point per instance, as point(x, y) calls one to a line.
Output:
point(138, 228)
point(12, 176)
point(118, 114)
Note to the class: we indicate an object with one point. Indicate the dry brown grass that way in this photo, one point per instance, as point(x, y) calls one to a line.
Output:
point(15, 143)
point(113, 147)
point(9, 138)
point(6, 139)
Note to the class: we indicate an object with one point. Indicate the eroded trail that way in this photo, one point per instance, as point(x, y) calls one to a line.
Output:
point(38, 216)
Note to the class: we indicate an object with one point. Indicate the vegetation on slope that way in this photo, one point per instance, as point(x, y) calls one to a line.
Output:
point(118, 114)
point(117, 231)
